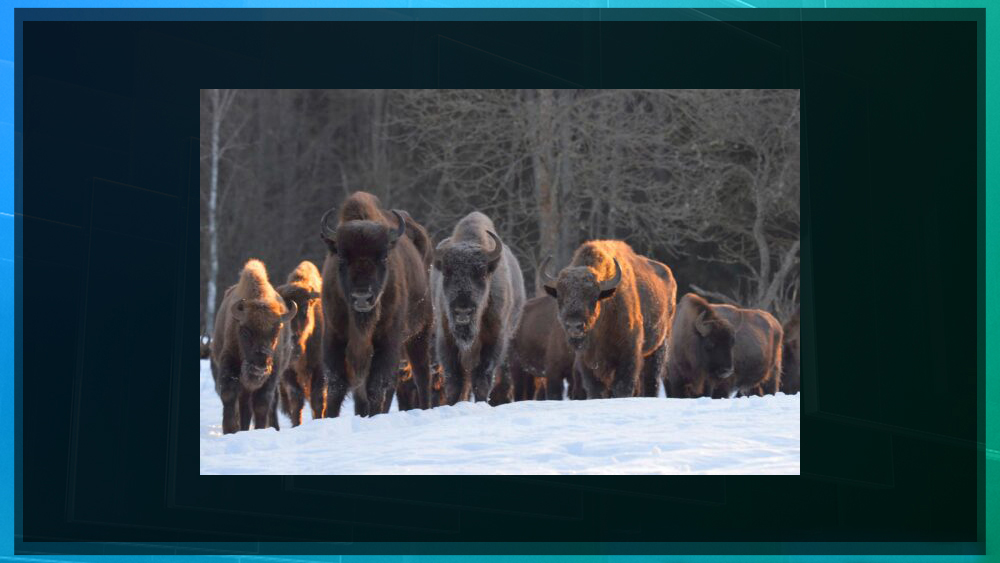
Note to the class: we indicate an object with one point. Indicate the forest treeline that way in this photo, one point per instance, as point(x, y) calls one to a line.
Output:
point(706, 181)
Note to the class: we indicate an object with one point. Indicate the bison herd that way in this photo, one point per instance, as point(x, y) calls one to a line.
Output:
point(392, 315)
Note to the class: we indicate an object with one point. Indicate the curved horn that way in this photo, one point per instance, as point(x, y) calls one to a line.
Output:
point(613, 282)
point(701, 325)
point(292, 307)
point(497, 252)
point(543, 271)
point(401, 229)
point(326, 231)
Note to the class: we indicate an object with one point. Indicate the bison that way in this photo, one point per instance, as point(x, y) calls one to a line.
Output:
point(615, 308)
point(478, 293)
point(246, 335)
point(300, 370)
point(375, 304)
point(718, 350)
point(540, 359)
point(206, 347)
point(790, 357)
point(406, 389)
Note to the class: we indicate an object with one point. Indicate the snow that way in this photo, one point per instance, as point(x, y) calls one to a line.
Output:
point(751, 435)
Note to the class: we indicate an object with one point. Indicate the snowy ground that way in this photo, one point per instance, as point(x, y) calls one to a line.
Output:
point(754, 435)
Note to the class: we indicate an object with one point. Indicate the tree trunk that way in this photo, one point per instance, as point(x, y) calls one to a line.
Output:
point(548, 204)
point(213, 195)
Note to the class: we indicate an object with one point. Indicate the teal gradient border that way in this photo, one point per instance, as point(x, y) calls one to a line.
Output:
point(987, 304)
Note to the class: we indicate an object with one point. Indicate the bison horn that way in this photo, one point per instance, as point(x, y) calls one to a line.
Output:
point(702, 325)
point(613, 282)
point(543, 271)
point(497, 251)
point(326, 231)
point(292, 308)
point(401, 229)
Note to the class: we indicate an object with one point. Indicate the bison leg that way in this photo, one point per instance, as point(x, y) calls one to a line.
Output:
point(484, 374)
point(626, 377)
point(652, 370)
point(455, 387)
point(503, 391)
point(228, 387)
point(335, 367)
point(418, 351)
point(293, 396)
point(245, 410)
point(382, 377)
point(317, 392)
point(262, 401)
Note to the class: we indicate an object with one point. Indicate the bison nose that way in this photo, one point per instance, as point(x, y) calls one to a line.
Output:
point(463, 315)
point(574, 328)
point(362, 295)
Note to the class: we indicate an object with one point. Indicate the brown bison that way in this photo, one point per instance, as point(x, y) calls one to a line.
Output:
point(718, 350)
point(615, 308)
point(790, 357)
point(375, 304)
point(540, 359)
point(478, 293)
point(300, 370)
point(246, 335)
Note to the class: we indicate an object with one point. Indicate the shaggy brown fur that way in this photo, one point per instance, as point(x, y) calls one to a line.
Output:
point(375, 304)
point(246, 334)
point(617, 332)
point(790, 351)
point(298, 354)
point(716, 350)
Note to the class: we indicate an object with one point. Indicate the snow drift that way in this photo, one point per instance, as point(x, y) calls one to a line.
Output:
point(753, 435)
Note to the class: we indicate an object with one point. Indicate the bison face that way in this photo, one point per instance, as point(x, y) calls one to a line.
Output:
point(303, 323)
point(714, 345)
point(258, 325)
point(579, 294)
point(362, 249)
point(466, 271)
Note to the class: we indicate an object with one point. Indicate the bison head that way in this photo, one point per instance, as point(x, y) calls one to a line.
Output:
point(714, 344)
point(302, 324)
point(579, 294)
point(258, 324)
point(466, 271)
point(362, 248)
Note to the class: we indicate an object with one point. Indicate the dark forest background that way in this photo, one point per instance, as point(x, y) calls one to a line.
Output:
point(706, 181)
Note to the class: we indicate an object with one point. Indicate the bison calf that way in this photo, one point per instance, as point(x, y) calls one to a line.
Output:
point(615, 308)
point(478, 293)
point(298, 355)
point(716, 350)
point(246, 335)
point(540, 359)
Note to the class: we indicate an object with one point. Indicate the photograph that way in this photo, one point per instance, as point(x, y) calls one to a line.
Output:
point(499, 282)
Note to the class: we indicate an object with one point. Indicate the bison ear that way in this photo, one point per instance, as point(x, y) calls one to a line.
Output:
point(551, 291)
point(331, 244)
point(702, 325)
point(239, 310)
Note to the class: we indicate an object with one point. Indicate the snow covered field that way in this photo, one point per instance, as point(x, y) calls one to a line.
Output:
point(753, 435)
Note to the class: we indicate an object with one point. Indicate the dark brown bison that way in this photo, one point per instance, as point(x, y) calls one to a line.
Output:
point(790, 357)
point(298, 355)
point(718, 350)
point(478, 293)
point(246, 335)
point(615, 308)
point(375, 304)
point(540, 359)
